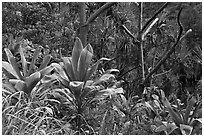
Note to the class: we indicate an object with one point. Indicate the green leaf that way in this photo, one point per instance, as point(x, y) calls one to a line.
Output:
point(24, 62)
point(189, 107)
point(13, 62)
point(93, 68)
point(105, 78)
point(66, 97)
point(45, 62)
point(35, 56)
point(170, 128)
point(90, 89)
point(45, 71)
point(196, 122)
point(161, 128)
point(19, 85)
point(68, 67)
point(186, 129)
point(76, 88)
point(176, 118)
point(108, 92)
point(78, 47)
point(9, 71)
point(84, 61)
point(9, 87)
point(31, 81)
point(64, 81)
point(60, 70)
point(48, 78)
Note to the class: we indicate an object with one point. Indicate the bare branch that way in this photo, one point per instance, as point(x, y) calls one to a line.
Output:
point(153, 17)
point(170, 51)
point(99, 11)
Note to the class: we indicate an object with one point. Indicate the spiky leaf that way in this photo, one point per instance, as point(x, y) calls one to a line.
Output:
point(58, 68)
point(189, 107)
point(9, 71)
point(35, 56)
point(31, 81)
point(78, 47)
point(68, 67)
point(176, 118)
point(24, 62)
point(84, 61)
point(13, 62)
point(45, 62)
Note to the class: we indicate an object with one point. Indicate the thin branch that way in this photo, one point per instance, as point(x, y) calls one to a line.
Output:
point(140, 38)
point(127, 72)
point(153, 17)
point(127, 31)
point(170, 51)
point(162, 73)
point(149, 28)
point(99, 11)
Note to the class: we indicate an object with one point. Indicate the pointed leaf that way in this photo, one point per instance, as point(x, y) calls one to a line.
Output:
point(189, 107)
point(105, 78)
point(8, 86)
point(84, 61)
point(64, 81)
point(13, 62)
point(93, 68)
point(20, 85)
point(31, 81)
point(78, 47)
point(68, 67)
point(171, 127)
point(59, 70)
point(45, 71)
point(35, 56)
point(176, 118)
point(160, 128)
point(9, 71)
point(24, 62)
point(45, 62)
point(90, 89)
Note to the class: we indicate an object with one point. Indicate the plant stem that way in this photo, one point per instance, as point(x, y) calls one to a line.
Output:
point(79, 116)
point(140, 38)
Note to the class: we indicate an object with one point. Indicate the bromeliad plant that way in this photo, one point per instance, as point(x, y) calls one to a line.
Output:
point(184, 122)
point(74, 73)
point(27, 78)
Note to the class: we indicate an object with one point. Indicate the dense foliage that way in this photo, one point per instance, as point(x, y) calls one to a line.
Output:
point(101, 68)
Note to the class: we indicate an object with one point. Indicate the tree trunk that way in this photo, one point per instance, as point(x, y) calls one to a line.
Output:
point(82, 19)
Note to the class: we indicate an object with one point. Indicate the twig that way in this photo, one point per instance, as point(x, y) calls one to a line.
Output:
point(153, 17)
point(99, 11)
point(149, 28)
point(127, 72)
point(162, 73)
point(127, 31)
